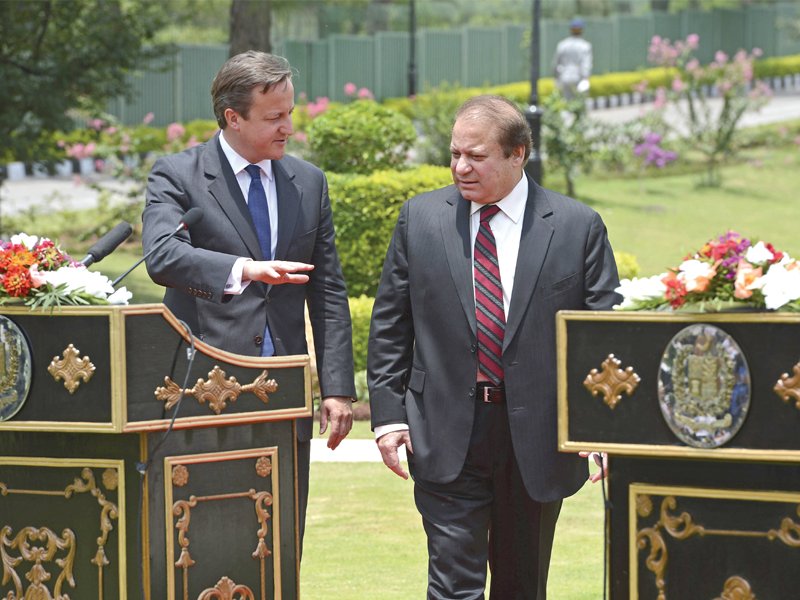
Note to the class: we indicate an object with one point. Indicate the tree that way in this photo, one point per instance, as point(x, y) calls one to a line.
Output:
point(250, 25)
point(57, 55)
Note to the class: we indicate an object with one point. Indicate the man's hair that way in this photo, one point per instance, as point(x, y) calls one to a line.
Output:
point(512, 128)
point(234, 83)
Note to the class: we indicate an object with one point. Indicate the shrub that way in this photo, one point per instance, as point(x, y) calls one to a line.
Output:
point(361, 137)
point(627, 265)
point(365, 210)
point(360, 314)
point(434, 113)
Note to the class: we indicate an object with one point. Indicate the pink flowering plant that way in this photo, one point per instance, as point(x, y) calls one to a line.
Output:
point(711, 128)
point(37, 273)
point(728, 272)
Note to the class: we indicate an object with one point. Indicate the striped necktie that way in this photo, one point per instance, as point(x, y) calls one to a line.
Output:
point(489, 300)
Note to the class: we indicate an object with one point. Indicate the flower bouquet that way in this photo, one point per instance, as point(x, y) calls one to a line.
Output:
point(36, 273)
point(727, 273)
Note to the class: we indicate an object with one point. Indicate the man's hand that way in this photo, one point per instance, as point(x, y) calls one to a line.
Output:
point(601, 460)
point(338, 411)
point(275, 272)
point(388, 445)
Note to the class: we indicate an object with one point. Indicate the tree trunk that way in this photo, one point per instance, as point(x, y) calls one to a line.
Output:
point(250, 26)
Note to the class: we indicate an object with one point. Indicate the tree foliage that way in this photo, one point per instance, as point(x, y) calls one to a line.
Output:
point(57, 55)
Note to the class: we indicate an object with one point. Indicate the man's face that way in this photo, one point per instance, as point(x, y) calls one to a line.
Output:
point(266, 130)
point(481, 171)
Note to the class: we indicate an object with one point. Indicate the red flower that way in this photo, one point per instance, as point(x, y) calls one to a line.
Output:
point(777, 255)
point(676, 289)
point(17, 281)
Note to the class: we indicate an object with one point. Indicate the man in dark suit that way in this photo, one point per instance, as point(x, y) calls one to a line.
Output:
point(462, 355)
point(241, 277)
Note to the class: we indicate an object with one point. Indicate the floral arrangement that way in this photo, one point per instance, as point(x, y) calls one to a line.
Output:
point(727, 272)
point(35, 272)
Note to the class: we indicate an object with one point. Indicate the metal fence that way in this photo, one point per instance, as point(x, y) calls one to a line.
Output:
point(177, 89)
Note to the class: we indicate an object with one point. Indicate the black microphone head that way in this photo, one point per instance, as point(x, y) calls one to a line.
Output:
point(108, 243)
point(192, 217)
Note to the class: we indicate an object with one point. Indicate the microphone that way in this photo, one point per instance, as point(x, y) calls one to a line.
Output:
point(107, 244)
point(192, 217)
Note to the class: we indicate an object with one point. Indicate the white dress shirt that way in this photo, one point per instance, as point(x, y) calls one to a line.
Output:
point(235, 285)
point(507, 229)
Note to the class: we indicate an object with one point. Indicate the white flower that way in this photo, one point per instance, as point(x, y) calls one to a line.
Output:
point(637, 290)
point(696, 274)
point(759, 254)
point(23, 239)
point(121, 296)
point(81, 279)
point(781, 285)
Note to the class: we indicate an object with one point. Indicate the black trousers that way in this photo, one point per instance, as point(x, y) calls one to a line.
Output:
point(486, 515)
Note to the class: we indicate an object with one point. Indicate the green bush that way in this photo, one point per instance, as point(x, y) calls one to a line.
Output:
point(627, 265)
point(434, 113)
point(365, 209)
point(361, 137)
point(200, 129)
point(360, 313)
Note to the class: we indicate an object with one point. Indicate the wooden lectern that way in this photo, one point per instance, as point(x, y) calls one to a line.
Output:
point(700, 415)
point(118, 480)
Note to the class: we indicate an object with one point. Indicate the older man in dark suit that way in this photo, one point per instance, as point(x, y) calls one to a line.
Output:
point(462, 355)
point(241, 277)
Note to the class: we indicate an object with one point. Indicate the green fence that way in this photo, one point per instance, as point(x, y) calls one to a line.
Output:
point(177, 89)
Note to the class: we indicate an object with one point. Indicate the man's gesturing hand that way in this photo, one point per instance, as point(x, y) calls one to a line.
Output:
point(275, 272)
point(388, 445)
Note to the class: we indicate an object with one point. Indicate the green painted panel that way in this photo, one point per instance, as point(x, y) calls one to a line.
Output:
point(199, 64)
point(518, 54)
point(319, 69)
point(602, 34)
point(702, 24)
point(391, 66)
point(732, 30)
point(788, 41)
point(633, 40)
point(441, 58)
point(483, 52)
point(352, 60)
point(667, 25)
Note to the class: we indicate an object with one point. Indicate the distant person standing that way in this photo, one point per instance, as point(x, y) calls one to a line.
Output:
point(572, 63)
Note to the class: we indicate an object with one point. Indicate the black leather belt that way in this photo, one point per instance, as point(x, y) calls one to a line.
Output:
point(492, 394)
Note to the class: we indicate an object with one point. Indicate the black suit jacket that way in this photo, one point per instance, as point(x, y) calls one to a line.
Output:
point(422, 361)
point(195, 264)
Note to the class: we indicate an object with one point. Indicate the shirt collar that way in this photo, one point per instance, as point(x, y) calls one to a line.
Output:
point(238, 162)
point(513, 205)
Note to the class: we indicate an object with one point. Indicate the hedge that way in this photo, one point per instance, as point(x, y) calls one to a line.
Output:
point(365, 209)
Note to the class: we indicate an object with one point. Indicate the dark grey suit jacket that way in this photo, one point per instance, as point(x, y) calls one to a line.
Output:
point(195, 264)
point(422, 349)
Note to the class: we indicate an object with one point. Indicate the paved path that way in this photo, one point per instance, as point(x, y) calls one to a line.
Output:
point(348, 451)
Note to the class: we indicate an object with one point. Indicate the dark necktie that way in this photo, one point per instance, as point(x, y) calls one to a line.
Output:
point(257, 203)
point(489, 300)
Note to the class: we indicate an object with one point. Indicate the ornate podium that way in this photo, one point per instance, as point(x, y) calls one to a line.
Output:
point(119, 480)
point(700, 415)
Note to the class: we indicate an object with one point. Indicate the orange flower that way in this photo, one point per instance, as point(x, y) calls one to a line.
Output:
point(17, 282)
point(746, 280)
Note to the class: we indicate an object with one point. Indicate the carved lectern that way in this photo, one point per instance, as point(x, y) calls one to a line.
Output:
point(700, 415)
point(132, 466)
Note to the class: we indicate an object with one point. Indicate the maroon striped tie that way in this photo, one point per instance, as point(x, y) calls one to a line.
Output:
point(489, 300)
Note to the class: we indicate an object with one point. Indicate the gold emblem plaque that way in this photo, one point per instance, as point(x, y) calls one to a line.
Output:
point(15, 368)
point(704, 386)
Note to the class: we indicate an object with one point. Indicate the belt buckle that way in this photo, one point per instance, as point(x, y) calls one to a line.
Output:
point(486, 399)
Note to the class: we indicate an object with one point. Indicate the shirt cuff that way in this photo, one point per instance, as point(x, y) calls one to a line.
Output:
point(382, 430)
point(235, 285)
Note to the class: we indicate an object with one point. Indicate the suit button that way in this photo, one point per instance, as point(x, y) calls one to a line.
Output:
point(268, 299)
point(473, 348)
point(258, 340)
point(472, 392)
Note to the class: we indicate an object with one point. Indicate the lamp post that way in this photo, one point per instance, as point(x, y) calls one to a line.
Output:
point(534, 113)
point(412, 48)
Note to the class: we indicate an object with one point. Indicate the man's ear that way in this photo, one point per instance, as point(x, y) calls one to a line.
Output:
point(518, 155)
point(232, 118)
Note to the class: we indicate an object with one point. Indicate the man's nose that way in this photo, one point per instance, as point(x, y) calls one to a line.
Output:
point(462, 165)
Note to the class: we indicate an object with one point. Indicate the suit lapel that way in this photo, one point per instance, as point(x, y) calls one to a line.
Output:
point(455, 217)
point(289, 197)
point(537, 231)
point(225, 190)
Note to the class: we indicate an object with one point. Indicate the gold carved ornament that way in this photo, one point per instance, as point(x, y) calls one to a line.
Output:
point(225, 590)
point(41, 555)
point(217, 391)
point(788, 388)
point(71, 369)
point(611, 381)
point(682, 527)
point(182, 509)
